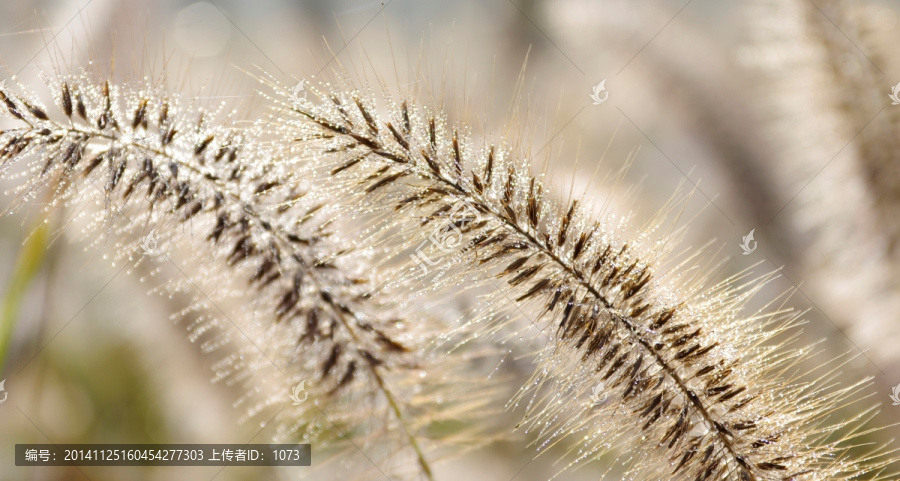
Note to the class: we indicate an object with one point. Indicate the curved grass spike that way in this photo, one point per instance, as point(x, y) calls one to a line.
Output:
point(243, 229)
point(692, 388)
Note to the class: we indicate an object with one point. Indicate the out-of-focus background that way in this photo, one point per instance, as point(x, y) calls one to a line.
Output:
point(777, 114)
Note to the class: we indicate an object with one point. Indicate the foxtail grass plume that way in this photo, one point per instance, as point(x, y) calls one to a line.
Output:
point(276, 290)
point(636, 356)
